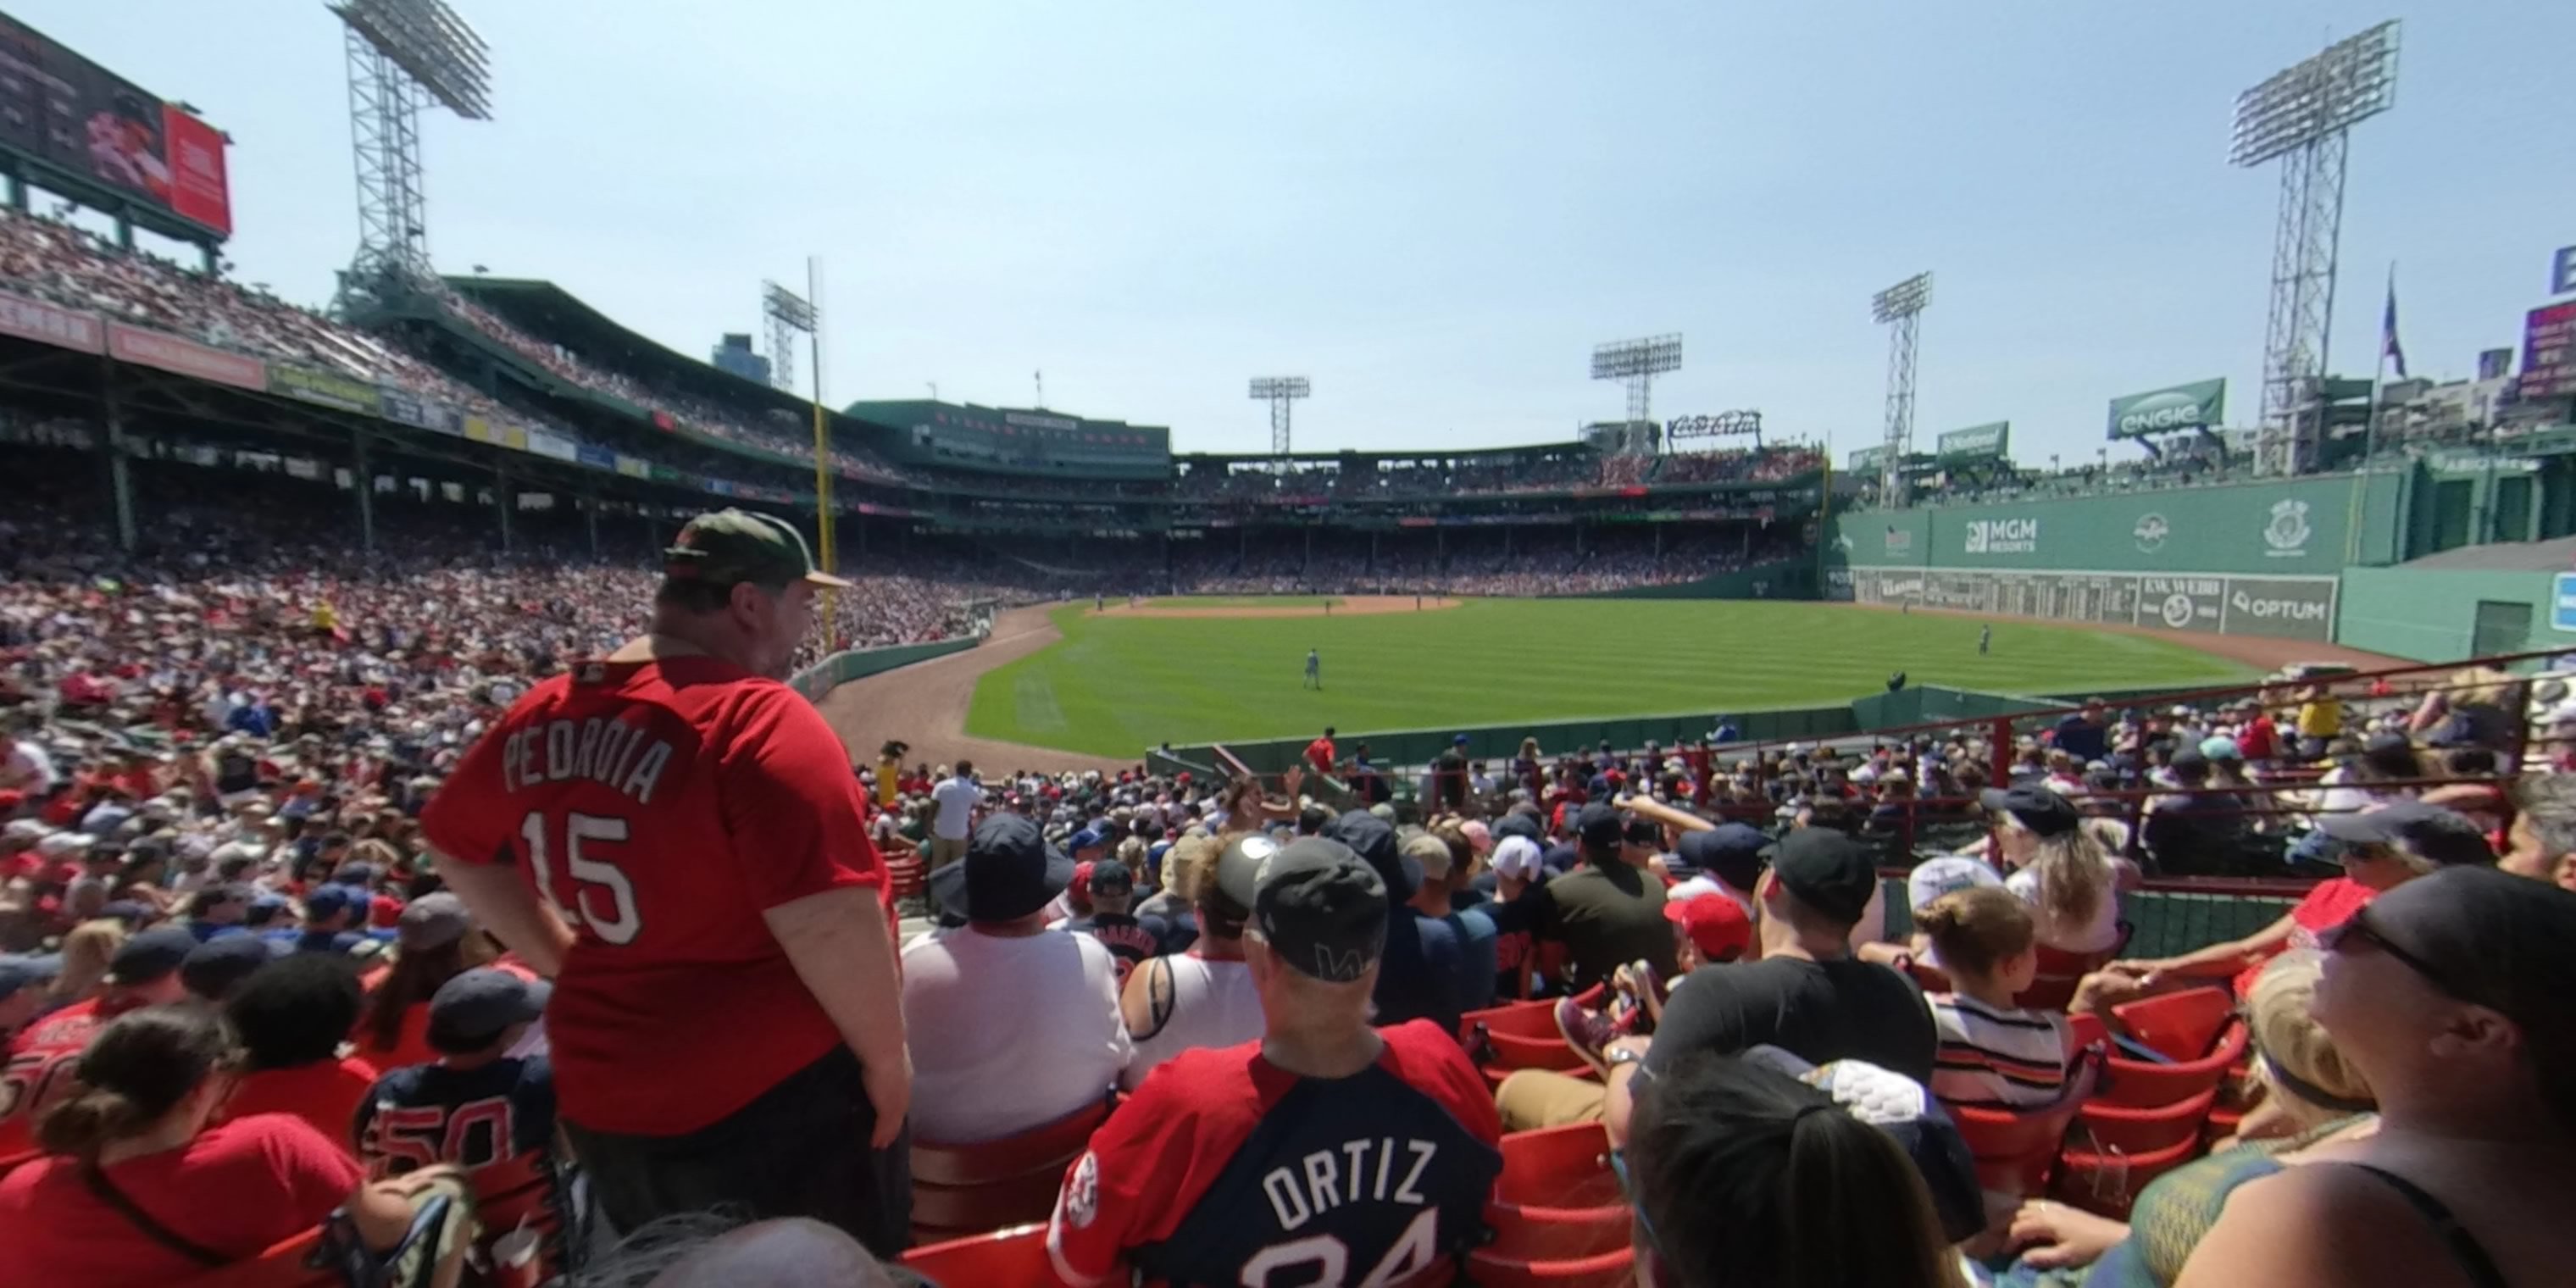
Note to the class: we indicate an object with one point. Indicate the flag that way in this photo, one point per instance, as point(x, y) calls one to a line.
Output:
point(2394, 352)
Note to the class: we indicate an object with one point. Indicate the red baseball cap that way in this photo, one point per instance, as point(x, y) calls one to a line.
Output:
point(1715, 923)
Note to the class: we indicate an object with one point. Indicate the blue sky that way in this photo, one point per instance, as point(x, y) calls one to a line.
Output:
point(1433, 210)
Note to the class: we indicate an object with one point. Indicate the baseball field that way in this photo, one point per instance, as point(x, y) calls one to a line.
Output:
point(1184, 670)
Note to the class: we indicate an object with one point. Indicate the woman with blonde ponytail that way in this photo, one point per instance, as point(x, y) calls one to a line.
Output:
point(2056, 866)
point(141, 1185)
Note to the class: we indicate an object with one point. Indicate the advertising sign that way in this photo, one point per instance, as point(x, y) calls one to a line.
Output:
point(2282, 607)
point(2495, 364)
point(97, 128)
point(2296, 607)
point(1977, 443)
point(2562, 602)
point(2197, 405)
point(2562, 271)
point(185, 357)
point(1869, 459)
point(1687, 426)
point(324, 388)
point(419, 413)
point(49, 324)
point(2000, 537)
point(2549, 351)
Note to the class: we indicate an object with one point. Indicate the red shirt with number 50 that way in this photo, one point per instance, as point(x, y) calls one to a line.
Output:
point(661, 807)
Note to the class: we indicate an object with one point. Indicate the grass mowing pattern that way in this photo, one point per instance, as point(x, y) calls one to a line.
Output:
point(1241, 601)
point(1114, 685)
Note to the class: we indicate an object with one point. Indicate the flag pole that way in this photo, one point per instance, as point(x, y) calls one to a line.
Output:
point(2370, 427)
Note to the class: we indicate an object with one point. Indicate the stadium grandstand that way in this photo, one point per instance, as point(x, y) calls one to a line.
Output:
point(486, 797)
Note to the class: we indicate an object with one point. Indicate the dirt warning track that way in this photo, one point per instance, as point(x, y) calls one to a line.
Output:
point(925, 705)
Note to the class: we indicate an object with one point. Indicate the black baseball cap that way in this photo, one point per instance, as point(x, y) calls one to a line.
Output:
point(2428, 832)
point(1009, 872)
point(1373, 839)
point(1236, 879)
point(471, 1009)
point(2490, 938)
point(1731, 852)
point(1109, 876)
point(2043, 810)
point(1598, 827)
point(150, 956)
point(1827, 871)
point(212, 969)
point(1322, 909)
point(730, 545)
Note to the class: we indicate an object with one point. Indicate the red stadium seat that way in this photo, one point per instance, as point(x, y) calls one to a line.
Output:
point(907, 876)
point(2144, 1084)
point(2132, 1130)
point(959, 1190)
point(2108, 1183)
point(1615, 1269)
point(281, 1266)
point(2060, 971)
point(1015, 1257)
point(1557, 1198)
point(2180, 1026)
point(2015, 1151)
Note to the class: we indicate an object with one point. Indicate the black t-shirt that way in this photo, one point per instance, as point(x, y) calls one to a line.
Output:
point(1452, 770)
point(1607, 917)
point(1129, 940)
point(1817, 1011)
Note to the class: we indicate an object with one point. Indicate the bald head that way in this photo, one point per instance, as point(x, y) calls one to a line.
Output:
point(793, 1252)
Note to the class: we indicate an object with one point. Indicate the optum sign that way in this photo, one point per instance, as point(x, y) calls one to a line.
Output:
point(2193, 406)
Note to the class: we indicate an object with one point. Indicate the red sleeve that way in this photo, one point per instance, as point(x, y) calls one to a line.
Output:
point(317, 1174)
point(465, 819)
point(1433, 1061)
point(791, 804)
point(1132, 1186)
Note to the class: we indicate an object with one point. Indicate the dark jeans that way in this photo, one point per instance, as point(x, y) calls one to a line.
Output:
point(801, 1149)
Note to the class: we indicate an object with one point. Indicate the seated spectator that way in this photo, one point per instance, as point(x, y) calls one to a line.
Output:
point(1210, 1173)
point(2194, 830)
point(45, 1055)
point(474, 1104)
point(1807, 994)
point(189, 1193)
point(1440, 870)
point(2057, 867)
point(2448, 997)
point(2310, 1094)
point(218, 909)
point(1418, 976)
point(1745, 1175)
point(2358, 784)
point(1203, 997)
point(1607, 911)
point(292, 1016)
point(436, 942)
point(22, 990)
point(1708, 930)
point(2541, 843)
point(1993, 1053)
point(332, 914)
point(213, 969)
point(1045, 1039)
point(1726, 859)
point(2379, 851)
point(1129, 939)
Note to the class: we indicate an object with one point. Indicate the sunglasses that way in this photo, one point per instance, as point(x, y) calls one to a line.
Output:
point(2357, 934)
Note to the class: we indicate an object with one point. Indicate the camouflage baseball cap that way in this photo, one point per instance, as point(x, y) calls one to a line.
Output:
point(729, 546)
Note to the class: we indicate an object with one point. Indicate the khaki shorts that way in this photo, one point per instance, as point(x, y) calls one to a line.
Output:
point(944, 851)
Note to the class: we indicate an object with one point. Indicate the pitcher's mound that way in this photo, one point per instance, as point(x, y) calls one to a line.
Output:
point(1344, 606)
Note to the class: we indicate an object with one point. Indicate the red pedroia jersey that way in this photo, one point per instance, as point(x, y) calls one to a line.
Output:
point(662, 807)
point(1223, 1169)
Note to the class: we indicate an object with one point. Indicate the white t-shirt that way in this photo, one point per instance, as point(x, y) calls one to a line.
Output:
point(957, 800)
point(2097, 936)
point(1008, 1033)
point(28, 769)
point(1213, 1005)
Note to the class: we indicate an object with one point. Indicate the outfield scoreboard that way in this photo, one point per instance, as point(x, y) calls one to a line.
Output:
point(103, 141)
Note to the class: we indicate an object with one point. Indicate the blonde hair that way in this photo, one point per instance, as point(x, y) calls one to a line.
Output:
point(2073, 873)
point(1977, 930)
point(2291, 1041)
point(87, 952)
point(2480, 684)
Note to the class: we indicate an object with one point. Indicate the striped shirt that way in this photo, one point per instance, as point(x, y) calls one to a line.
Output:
point(1991, 1059)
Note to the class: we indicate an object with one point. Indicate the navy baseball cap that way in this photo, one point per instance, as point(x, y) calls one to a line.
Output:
point(1009, 872)
point(1827, 871)
point(1086, 839)
point(1322, 909)
point(1518, 824)
point(2429, 832)
point(2043, 810)
point(331, 900)
point(1111, 877)
point(212, 969)
point(470, 1010)
point(150, 956)
point(1731, 852)
point(1598, 826)
point(1373, 839)
point(17, 972)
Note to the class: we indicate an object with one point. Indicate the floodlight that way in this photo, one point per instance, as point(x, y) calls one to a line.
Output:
point(427, 40)
point(2351, 81)
point(1908, 296)
point(1631, 359)
point(1281, 392)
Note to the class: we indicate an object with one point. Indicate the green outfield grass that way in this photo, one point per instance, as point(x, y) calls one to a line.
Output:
point(1116, 684)
point(1239, 601)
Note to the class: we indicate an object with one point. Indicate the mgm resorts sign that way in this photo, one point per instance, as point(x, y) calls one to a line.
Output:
point(2002, 537)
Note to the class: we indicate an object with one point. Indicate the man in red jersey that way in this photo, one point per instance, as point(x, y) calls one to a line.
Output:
point(675, 837)
point(44, 1058)
point(1328, 1152)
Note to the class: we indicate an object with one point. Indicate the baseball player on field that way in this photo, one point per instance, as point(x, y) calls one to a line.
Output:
point(674, 836)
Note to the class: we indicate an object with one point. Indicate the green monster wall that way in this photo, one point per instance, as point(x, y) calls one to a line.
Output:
point(2257, 558)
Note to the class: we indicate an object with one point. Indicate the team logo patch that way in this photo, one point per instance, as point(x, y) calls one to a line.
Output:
point(2288, 531)
point(2151, 532)
point(1082, 1193)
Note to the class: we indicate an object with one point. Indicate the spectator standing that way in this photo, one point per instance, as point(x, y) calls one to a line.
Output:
point(957, 798)
point(1214, 1171)
point(1046, 1039)
point(1203, 997)
point(1319, 753)
point(1449, 776)
point(473, 1104)
point(704, 871)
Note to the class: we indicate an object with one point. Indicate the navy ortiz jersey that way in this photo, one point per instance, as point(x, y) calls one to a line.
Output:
point(1223, 1169)
point(429, 1113)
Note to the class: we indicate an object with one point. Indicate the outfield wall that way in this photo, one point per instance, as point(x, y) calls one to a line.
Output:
point(841, 668)
point(2257, 558)
point(2437, 614)
point(1785, 579)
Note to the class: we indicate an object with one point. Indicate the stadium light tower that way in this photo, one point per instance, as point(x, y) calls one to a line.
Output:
point(788, 315)
point(2303, 118)
point(1638, 362)
point(1281, 392)
point(1901, 308)
point(403, 55)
